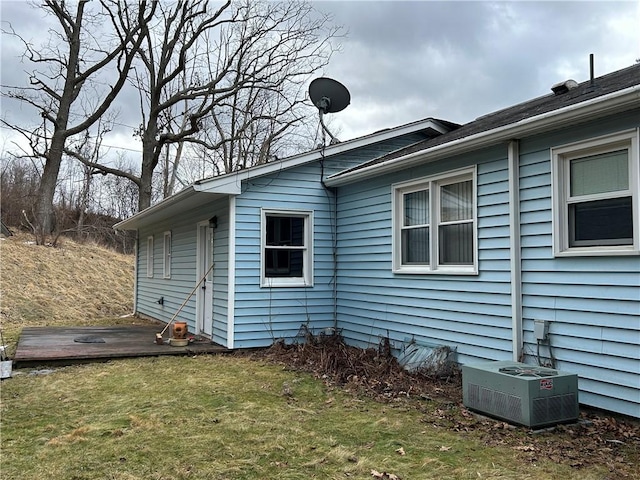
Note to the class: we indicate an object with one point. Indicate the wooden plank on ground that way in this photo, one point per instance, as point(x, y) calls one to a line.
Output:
point(39, 345)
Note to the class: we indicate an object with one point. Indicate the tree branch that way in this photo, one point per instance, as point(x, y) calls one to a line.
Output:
point(102, 168)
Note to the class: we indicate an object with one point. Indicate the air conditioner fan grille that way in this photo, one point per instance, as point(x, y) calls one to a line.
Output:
point(528, 372)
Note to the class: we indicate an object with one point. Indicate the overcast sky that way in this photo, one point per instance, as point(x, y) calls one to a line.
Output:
point(405, 61)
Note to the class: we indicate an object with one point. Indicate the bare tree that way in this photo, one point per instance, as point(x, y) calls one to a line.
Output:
point(232, 67)
point(256, 123)
point(66, 85)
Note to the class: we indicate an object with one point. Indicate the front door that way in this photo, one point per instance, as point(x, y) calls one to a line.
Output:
point(204, 293)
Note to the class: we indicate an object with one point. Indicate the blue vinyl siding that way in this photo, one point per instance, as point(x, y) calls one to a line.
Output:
point(176, 289)
point(469, 312)
point(592, 303)
point(221, 273)
point(263, 315)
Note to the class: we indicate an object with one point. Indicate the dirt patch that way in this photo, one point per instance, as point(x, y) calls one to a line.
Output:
point(597, 438)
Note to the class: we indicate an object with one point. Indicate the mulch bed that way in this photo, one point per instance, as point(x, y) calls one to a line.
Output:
point(598, 438)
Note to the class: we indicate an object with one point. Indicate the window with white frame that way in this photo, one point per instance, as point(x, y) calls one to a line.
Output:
point(150, 256)
point(287, 253)
point(595, 196)
point(435, 224)
point(166, 266)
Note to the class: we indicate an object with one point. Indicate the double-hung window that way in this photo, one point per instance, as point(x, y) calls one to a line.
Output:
point(287, 253)
point(435, 224)
point(595, 196)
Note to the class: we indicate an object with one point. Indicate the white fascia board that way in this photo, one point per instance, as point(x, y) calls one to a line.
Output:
point(216, 184)
point(227, 185)
point(590, 109)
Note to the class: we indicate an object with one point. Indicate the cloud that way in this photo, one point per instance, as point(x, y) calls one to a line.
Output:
point(458, 60)
point(404, 61)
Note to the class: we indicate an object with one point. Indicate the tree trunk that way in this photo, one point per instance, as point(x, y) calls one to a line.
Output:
point(146, 188)
point(149, 162)
point(45, 219)
point(83, 202)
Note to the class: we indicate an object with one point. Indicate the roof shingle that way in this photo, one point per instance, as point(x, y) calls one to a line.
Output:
point(615, 81)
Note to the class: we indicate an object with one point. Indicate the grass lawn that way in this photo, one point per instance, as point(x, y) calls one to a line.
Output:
point(239, 417)
point(230, 417)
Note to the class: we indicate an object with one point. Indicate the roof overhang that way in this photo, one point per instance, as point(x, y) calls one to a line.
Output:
point(430, 125)
point(615, 102)
point(207, 190)
point(190, 198)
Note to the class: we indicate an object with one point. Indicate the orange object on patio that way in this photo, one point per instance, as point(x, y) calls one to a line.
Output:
point(180, 330)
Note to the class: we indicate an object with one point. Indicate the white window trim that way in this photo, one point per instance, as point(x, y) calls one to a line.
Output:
point(432, 182)
point(150, 256)
point(166, 255)
point(560, 157)
point(307, 279)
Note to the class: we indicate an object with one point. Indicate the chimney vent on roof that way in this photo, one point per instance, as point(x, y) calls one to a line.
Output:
point(564, 87)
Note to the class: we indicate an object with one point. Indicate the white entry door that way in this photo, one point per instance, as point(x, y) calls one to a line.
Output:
point(204, 294)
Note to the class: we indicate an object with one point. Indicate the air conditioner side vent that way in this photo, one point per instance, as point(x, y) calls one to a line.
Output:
point(495, 402)
point(554, 409)
point(525, 394)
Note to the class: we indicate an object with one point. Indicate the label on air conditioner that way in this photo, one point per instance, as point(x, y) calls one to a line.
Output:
point(546, 384)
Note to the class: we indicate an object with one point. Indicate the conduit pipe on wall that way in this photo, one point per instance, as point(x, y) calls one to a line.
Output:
point(514, 249)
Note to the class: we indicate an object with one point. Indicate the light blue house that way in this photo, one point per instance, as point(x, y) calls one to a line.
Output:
point(466, 236)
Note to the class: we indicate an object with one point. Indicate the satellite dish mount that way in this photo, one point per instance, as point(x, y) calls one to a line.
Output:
point(329, 96)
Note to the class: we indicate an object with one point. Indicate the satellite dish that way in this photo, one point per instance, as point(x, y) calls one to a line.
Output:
point(329, 96)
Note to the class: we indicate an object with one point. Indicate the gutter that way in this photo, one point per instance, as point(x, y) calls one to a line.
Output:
point(231, 275)
point(235, 178)
point(589, 109)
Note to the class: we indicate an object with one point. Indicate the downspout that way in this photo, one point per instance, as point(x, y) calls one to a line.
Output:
point(514, 248)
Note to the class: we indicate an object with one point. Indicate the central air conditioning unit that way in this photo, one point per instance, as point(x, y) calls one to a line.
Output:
point(520, 393)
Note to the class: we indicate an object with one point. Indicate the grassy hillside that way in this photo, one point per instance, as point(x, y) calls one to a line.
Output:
point(72, 284)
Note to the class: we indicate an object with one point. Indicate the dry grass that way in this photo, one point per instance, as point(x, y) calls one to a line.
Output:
point(71, 284)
